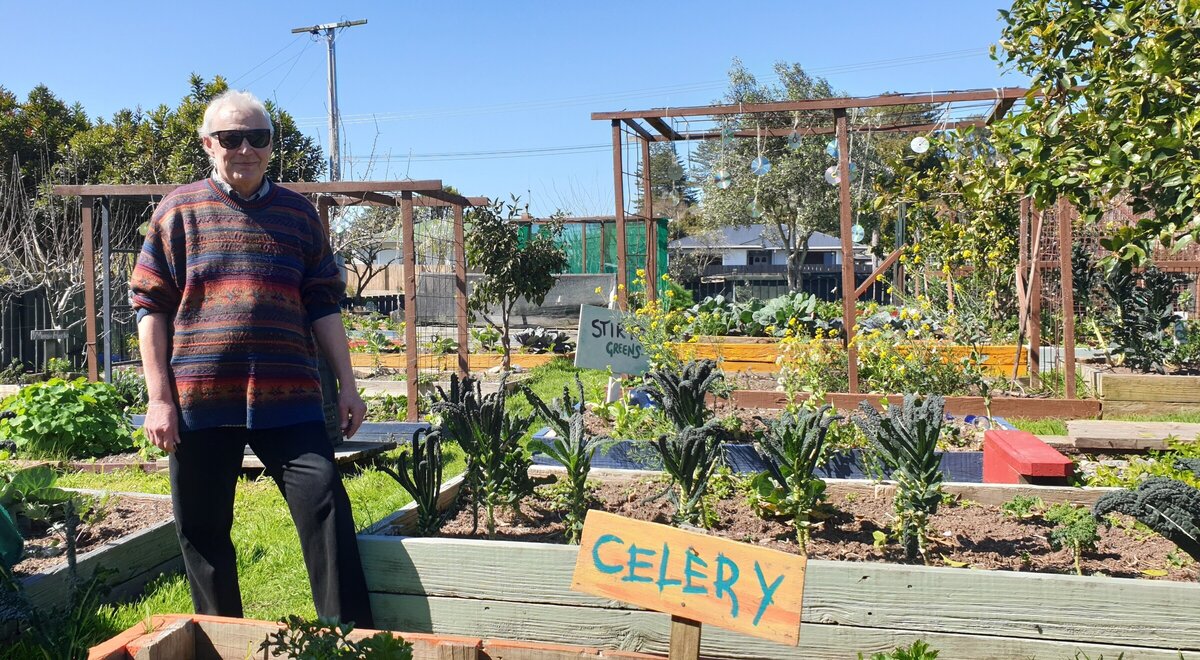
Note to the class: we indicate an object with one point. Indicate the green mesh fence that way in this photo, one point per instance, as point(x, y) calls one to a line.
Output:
point(591, 247)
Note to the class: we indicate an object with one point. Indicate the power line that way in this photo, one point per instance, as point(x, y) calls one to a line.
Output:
point(291, 43)
point(515, 106)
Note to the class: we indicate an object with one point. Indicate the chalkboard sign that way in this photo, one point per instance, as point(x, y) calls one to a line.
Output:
point(604, 343)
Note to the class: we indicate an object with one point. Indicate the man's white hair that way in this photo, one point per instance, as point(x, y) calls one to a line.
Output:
point(239, 99)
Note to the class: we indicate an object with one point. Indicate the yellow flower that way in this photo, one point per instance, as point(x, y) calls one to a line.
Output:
point(670, 293)
point(598, 289)
point(641, 272)
point(666, 277)
point(620, 287)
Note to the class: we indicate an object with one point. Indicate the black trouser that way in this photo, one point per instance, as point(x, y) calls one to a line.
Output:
point(204, 471)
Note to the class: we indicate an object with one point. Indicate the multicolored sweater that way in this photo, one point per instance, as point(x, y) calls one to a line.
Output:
point(242, 283)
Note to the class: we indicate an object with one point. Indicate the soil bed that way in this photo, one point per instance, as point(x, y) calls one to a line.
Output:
point(123, 515)
point(965, 534)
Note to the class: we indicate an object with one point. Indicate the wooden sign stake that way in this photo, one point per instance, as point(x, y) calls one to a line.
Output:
point(685, 639)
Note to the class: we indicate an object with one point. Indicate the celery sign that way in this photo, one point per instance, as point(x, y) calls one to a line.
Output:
point(604, 343)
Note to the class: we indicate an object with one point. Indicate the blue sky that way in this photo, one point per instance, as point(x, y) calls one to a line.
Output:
point(432, 90)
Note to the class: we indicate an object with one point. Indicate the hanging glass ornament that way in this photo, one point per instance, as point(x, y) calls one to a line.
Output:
point(794, 141)
point(760, 166)
point(919, 144)
point(723, 179)
point(831, 175)
point(728, 134)
point(856, 233)
point(853, 171)
point(755, 209)
point(832, 149)
point(144, 228)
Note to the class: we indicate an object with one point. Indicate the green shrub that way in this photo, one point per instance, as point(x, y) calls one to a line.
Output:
point(131, 387)
point(66, 419)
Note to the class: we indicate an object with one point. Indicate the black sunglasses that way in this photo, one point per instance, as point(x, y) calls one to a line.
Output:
point(258, 137)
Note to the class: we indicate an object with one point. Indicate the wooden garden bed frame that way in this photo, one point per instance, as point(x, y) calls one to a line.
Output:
point(192, 636)
point(1001, 406)
point(450, 362)
point(136, 559)
point(1142, 393)
point(522, 590)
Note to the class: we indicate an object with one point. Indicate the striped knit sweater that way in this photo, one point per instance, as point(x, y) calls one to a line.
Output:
point(242, 282)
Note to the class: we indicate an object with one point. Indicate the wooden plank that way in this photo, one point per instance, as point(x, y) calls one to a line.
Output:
point(649, 631)
point(350, 451)
point(1149, 387)
point(955, 405)
point(1128, 408)
point(685, 639)
point(691, 575)
point(1113, 434)
point(177, 641)
point(835, 103)
point(407, 515)
point(477, 362)
point(1063, 608)
point(993, 494)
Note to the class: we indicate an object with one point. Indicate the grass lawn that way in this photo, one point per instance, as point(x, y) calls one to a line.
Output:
point(271, 571)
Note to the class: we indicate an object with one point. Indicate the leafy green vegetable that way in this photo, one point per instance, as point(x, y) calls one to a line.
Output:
point(66, 419)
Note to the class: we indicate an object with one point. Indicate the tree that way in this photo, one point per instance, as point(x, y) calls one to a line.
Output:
point(672, 193)
point(48, 142)
point(513, 267)
point(364, 238)
point(162, 146)
point(793, 199)
point(1118, 114)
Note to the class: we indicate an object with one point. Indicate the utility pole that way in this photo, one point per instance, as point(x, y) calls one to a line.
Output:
point(330, 30)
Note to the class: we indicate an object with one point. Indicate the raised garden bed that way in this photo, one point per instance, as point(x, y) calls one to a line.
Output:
point(189, 636)
point(1125, 393)
point(475, 361)
point(1001, 406)
point(520, 589)
point(136, 540)
point(761, 355)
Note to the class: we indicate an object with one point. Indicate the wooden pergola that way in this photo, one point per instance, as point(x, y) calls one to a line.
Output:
point(659, 125)
point(326, 195)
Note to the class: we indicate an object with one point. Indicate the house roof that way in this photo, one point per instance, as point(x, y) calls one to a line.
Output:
point(753, 236)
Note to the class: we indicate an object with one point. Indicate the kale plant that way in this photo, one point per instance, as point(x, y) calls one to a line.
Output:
point(497, 465)
point(1145, 315)
point(681, 395)
point(421, 477)
point(792, 446)
point(906, 442)
point(1169, 507)
point(690, 457)
point(327, 639)
point(572, 448)
point(1075, 528)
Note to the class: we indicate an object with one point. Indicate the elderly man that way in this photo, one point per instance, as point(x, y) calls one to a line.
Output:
point(234, 279)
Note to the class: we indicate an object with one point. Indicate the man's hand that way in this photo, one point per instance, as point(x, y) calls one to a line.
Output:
point(353, 411)
point(162, 425)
